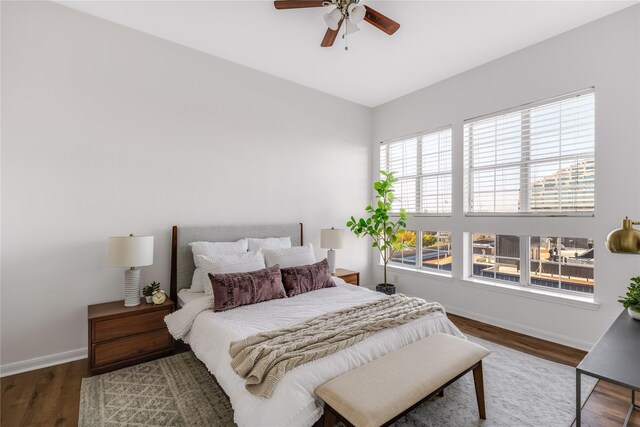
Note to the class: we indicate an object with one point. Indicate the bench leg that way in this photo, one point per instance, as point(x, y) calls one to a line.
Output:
point(441, 393)
point(479, 383)
point(329, 417)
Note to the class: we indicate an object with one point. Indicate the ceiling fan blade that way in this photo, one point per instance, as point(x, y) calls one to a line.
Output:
point(380, 21)
point(297, 4)
point(330, 36)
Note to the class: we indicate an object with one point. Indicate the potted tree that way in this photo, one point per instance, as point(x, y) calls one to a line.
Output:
point(631, 301)
point(381, 228)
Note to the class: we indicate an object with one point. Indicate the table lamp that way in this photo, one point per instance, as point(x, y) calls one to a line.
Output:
point(130, 252)
point(331, 239)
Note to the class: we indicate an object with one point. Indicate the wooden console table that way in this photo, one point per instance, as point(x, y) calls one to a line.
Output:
point(615, 358)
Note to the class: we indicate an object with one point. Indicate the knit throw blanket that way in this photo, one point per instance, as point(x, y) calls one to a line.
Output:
point(263, 359)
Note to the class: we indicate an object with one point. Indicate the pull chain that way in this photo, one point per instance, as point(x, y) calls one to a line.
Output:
point(344, 36)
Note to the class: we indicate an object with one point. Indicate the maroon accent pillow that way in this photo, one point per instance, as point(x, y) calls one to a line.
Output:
point(305, 278)
point(235, 289)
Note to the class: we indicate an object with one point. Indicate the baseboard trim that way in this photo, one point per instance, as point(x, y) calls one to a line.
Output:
point(523, 329)
point(42, 362)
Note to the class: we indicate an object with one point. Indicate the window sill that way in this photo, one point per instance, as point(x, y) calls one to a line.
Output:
point(420, 272)
point(573, 300)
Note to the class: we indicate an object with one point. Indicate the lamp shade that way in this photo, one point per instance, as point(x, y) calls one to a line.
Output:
point(331, 238)
point(333, 18)
point(356, 13)
point(351, 28)
point(625, 239)
point(130, 251)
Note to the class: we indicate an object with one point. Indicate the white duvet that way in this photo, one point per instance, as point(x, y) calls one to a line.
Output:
point(293, 402)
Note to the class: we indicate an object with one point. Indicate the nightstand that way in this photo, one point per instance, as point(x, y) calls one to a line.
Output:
point(122, 336)
point(349, 276)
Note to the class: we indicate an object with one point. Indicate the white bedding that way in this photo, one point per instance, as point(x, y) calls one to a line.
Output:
point(293, 402)
point(186, 295)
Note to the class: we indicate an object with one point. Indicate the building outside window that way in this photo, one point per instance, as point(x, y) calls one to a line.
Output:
point(562, 263)
point(496, 257)
point(538, 159)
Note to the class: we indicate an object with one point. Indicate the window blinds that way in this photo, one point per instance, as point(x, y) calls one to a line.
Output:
point(533, 159)
point(422, 164)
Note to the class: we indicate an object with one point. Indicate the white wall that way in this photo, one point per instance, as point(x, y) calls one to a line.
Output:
point(604, 54)
point(108, 131)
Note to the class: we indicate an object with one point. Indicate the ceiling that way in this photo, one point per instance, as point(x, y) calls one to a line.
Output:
point(436, 40)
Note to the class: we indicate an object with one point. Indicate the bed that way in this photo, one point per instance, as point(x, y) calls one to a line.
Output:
point(293, 403)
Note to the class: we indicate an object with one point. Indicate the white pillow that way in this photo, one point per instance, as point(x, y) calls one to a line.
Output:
point(197, 281)
point(269, 243)
point(210, 249)
point(223, 264)
point(290, 257)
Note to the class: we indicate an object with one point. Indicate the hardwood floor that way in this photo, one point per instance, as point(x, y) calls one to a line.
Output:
point(51, 396)
point(44, 397)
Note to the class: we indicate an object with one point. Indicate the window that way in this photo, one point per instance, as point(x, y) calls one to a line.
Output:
point(535, 159)
point(496, 257)
point(562, 263)
point(406, 256)
point(434, 251)
point(422, 165)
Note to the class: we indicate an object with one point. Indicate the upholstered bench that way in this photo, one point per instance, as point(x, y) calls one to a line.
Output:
point(380, 392)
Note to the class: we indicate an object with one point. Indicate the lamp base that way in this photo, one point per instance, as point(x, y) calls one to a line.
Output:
point(331, 258)
point(132, 287)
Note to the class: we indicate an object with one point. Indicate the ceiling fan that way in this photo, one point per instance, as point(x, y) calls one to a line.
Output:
point(350, 11)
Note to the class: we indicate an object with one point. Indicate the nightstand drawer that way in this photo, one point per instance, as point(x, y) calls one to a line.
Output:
point(130, 347)
point(129, 325)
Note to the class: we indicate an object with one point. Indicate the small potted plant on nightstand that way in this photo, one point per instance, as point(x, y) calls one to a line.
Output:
point(631, 301)
point(385, 232)
point(148, 291)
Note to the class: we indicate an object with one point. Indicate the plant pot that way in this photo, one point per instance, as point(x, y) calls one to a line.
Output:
point(634, 314)
point(149, 300)
point(386, 288)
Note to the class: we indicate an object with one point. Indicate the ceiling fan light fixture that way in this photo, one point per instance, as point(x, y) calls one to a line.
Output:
point(356, 13)
point(351, 11)
point(333, 18)
point(351, 28)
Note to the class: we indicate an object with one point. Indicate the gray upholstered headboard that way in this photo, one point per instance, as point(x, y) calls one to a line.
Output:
point(182, 266)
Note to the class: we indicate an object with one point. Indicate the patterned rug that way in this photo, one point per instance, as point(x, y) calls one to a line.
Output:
point(173, 391)
point(520, 390)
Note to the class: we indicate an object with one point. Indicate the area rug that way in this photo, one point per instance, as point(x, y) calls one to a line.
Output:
point(520, 390)
point(173, 391)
